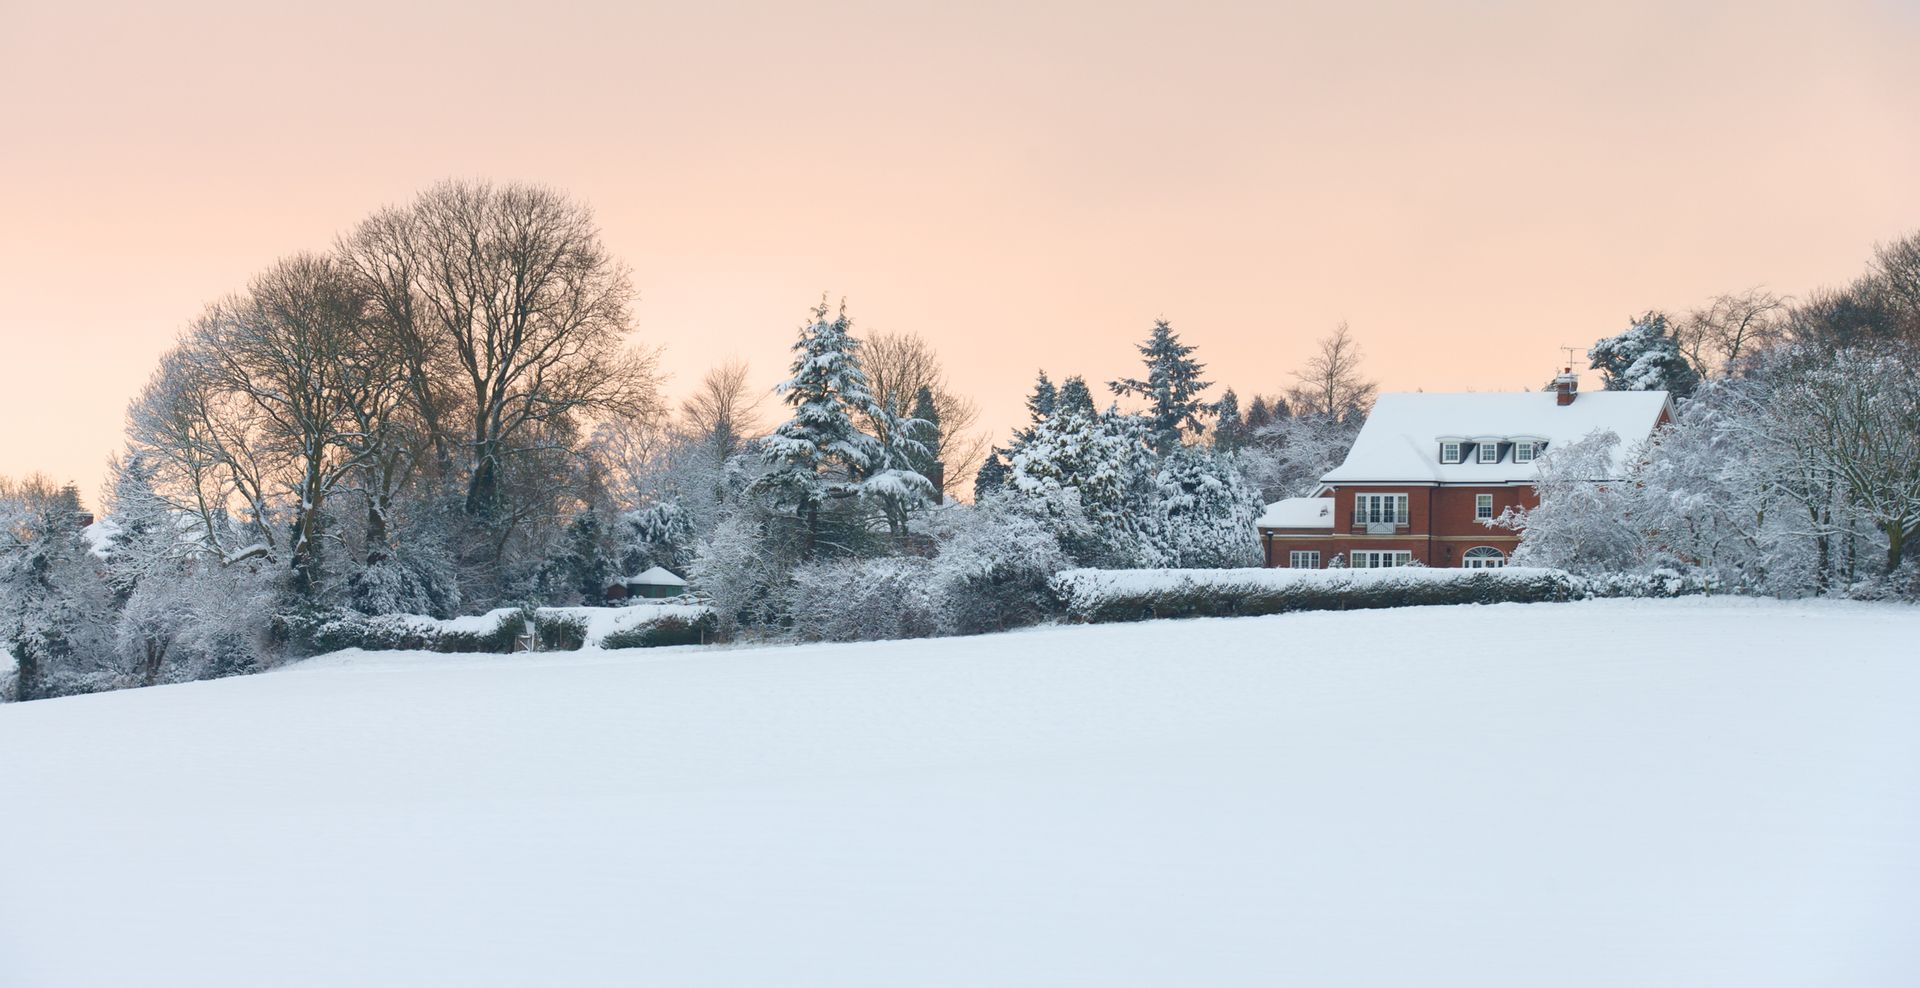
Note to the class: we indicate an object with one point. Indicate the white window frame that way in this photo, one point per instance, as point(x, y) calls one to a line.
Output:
point(1450, 452)
point(1379, 509)
point(1523, 451)
point(1498, 559)
point(1482, 507)
point(1303, 559)
point(1379, 558)
point(1488, 453)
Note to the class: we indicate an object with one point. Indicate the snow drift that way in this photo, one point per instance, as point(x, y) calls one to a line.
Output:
point(1650, 793)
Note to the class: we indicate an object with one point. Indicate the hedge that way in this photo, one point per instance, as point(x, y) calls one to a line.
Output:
point(1099, 596)
point(672, 630)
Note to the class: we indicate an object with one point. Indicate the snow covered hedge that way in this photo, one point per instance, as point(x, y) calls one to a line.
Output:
point(561, 629)
point(1094, 595)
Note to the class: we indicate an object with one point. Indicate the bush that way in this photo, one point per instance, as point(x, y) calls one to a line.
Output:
point(864, 599)
point(331, 631)
point(560, 632)
point(1098, 596)
point(671, 630)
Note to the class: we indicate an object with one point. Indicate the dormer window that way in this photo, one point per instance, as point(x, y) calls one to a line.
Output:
point(1489, 452)
point(1524, 451)
point(1450, 452)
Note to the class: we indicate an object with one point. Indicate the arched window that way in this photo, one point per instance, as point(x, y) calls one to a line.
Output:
point(1483, 557)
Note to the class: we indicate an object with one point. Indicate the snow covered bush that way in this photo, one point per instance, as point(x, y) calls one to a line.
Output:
point(993, 568)
point(743, 567)
point(864, 599)
point(672, 629)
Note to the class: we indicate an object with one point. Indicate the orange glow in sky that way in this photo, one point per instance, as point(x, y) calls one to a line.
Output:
point(1470, 185)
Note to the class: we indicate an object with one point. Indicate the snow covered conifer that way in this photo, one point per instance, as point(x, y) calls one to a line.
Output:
point(1646, 357)
point(820, 454)
point(1172, 387)
point(991, 478)
point(1076, 398)
point(1206, 510)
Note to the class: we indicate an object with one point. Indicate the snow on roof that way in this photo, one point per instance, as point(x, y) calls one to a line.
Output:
point(1401, 440)
point(1298, 512)
point(658, 577)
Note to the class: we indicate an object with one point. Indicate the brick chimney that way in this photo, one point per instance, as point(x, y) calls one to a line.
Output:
point(1566, 387)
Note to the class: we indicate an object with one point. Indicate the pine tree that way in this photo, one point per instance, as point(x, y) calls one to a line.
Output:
point(1229, 432)
point(924, 428)
point(819, 454)
point(1040, 403)
point(1646, 357)
point(991, 478)
point(1076, 398)
point(1172, 387)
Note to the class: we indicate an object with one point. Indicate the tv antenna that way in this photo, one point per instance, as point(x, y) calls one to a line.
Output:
point(1570, 351)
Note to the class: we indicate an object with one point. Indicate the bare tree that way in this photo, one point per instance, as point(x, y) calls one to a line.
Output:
point(1330, 383)
point(1730, 328)
point(317, 388)
point(898, 365)
point(517, 303)
point(725, 410)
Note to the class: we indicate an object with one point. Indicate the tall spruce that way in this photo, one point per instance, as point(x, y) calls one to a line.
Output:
point(1171, 388)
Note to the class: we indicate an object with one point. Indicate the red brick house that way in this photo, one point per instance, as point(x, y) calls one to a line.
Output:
point(1427, 468)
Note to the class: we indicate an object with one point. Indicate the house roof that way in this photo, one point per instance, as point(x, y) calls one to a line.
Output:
point(1401, 440)
point(1298, 512)
point(657, 577)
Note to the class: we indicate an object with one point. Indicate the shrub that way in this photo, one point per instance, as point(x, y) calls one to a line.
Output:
point(560, 632)
point(864, 599)
point(670, 630)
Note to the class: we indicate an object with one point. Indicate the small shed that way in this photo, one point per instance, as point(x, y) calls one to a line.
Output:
point(656, 582)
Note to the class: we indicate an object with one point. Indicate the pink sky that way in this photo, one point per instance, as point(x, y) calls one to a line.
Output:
point(1470, 185)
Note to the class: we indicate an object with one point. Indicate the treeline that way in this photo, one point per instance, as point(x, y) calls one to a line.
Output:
point(1793, 467)
point(443, 413)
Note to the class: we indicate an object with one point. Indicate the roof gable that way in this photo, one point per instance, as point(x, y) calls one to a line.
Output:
point(1401, 439)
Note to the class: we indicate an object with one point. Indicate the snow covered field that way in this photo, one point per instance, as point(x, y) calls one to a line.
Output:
point(1688, 793)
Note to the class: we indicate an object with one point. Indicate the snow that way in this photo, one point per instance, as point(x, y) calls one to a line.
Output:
point(658, 576)
point(1298, 512)
point(1401, 438)
point(1649, 793)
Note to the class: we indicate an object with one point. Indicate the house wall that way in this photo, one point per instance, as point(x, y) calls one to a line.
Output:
point(1440, 527)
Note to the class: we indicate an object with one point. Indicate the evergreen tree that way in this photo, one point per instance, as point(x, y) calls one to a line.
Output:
point(1040, 403)
point(924, 428)
point(1171, 389)
point(1647, 357)
point(1206, 510)
point(1229, 432)
point(819, 454)
point(1076, 398)
point(991, 478)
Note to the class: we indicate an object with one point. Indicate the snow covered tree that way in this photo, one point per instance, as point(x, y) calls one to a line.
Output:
point(56, 610)
point(820, 454)
point(1171, 388)
point(1095, 471)
point(1646, 357)
point(1075, 398)
point(1584, 521)
point(1206, 510)
point(1288, 456)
